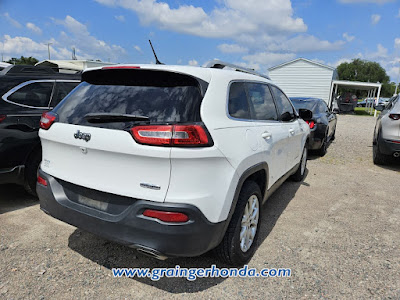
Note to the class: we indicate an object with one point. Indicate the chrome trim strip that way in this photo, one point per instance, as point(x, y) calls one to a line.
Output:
point(16, 88)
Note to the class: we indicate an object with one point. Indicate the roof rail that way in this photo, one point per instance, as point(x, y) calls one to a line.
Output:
point(218, 64)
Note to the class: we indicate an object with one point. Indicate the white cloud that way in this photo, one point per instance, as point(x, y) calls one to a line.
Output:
point(375, 19)
point(267, 59)
point(367, 1)
point(33, 28)
point(232, 48)
point(138, 49)
point(86, 45)
point(381, 52)
point(394, 72)
point(72, 25)
point(348, 37)
point(24, 46)
point(305, 43)
point(339, 61)
point(397, 43)
point(193, 62)
point(10, 20)
point(120, 18)
point(232, 18)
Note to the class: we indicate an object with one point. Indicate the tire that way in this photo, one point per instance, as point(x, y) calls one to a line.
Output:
point(301, 171)
point(333, 137)
point(233, 249)
point(324, 147)
point(31, 170)
point(377, 156)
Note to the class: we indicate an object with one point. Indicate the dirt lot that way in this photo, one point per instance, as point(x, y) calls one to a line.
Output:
point(339, 232)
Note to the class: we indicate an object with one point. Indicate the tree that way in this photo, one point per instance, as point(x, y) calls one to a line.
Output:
point(23, 61)
point(366, 71)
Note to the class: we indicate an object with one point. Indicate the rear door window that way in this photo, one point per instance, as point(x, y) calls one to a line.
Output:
point(238, 105)
point(263, 104)
point(285, 108)
point(163, 97)
point(35, 94)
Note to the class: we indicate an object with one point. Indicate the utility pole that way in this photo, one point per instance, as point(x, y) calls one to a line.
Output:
point(48, 48)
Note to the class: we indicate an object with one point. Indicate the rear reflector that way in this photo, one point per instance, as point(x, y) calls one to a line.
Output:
point(47, 120)
point(120, 67)
point(394, 116)
point(311, 124)
point(396, 142)
point(2, 118)
point(166, 216)
point(41, 181)
point(171, 135)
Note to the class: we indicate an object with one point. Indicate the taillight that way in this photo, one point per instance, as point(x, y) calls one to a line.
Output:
point(171, 135)
point(2, 118)
point(41, 181)
point(47, 120)
point(396, 142)
point(394, 116)
point(166, 216)
point(311, 124)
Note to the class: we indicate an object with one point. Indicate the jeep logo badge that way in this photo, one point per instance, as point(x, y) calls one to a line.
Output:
point(82, 136)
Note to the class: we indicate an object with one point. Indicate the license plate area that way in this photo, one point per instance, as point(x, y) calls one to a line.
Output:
point(103, 206)
point(105, 202)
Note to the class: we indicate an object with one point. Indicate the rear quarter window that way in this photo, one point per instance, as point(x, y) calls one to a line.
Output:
point(238, 105)
point(36, 94)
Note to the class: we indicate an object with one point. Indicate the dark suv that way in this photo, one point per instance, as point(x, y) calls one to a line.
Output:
point(26, 92)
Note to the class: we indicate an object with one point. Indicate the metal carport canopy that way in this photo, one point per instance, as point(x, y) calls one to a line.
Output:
point(357, 85)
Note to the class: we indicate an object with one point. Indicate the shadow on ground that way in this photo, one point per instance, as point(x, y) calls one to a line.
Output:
point(112, 255)
point(392, 164)
point(13, 197)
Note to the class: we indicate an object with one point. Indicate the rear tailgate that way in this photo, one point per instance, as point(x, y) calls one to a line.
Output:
point(111, 161)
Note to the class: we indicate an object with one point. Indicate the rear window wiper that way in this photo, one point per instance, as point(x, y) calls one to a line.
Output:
point(112, 117)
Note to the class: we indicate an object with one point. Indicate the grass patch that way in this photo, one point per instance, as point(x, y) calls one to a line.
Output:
point(360, 111)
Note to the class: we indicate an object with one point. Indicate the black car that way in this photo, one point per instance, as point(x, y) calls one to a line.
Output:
point(26, 92)
point(322, 125)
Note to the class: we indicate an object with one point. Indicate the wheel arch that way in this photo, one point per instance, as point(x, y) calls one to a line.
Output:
point(257, 173)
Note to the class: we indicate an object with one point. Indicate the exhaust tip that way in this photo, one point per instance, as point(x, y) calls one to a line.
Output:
point(149, 252)
point(396, 154)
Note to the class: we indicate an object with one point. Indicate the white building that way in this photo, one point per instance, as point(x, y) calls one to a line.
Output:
point(304, 78)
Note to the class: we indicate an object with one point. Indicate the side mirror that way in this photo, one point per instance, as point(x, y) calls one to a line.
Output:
point(305, 114)
point(380, 107)
point(287, 116)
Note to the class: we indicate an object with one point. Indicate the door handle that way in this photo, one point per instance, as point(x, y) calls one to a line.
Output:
point(266, 135)
point(291, 131)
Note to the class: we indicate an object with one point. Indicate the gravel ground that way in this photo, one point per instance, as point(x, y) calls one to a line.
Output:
point(338, 231)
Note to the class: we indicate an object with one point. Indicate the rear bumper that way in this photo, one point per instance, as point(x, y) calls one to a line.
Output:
point(125, 224)
point(387, 147)
point(316, 138)
point(12, 175)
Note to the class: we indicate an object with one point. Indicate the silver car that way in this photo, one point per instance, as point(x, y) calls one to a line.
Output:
point(386, 140)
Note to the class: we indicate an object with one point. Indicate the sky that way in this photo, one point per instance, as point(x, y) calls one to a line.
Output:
point(254, 33)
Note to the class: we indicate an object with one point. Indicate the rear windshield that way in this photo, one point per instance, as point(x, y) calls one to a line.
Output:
point(163, 97)
point(304, 104)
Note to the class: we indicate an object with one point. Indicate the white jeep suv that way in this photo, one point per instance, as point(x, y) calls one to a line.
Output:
point(170, 160)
